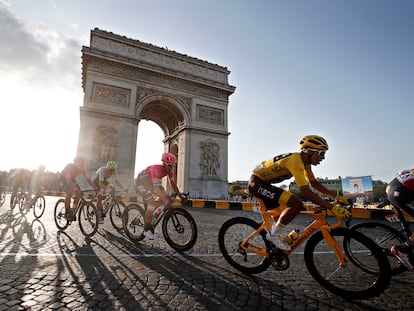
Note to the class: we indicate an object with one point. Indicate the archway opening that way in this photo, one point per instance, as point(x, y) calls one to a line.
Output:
point(149, 145)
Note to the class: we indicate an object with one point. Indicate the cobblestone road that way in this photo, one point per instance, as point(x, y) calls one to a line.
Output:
point(44, 269)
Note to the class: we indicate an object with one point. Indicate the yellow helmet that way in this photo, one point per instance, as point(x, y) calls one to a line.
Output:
point(313, 142)
point(111, 165)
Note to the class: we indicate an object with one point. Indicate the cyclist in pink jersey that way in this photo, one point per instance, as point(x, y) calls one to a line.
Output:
point(69, 184)
point(149, 187)
point(400, 192)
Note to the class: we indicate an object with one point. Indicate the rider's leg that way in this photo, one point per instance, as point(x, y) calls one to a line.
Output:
point(401, 197)
point(294, 206)
point(151, 206)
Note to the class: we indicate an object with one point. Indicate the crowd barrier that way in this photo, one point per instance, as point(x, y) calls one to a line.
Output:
point(364, 212)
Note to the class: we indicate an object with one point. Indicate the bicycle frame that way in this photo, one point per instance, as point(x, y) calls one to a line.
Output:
point(405, 224)
point(319, 223)
point(80, 197)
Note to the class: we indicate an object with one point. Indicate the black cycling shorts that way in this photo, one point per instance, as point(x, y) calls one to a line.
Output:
point(400, 196)
point(265, 191)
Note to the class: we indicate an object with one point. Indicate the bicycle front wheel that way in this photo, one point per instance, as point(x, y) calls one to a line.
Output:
point(133, 221)
point(14, 201)
point(2, 198)
point(88, 219)
point(385, 237)
point(22, 204)
point(179, 229)
point(231, 234)
point(39, 206)
point(350, 281)
point(115, 214)
point(60, 215)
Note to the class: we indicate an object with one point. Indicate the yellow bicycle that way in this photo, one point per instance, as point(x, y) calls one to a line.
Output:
point(243, 243)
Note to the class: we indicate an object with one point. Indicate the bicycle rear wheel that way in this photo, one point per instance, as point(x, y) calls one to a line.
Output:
point(231, 234)
point(88, 219)
point(385, 237)
point(115, 214)
point(179, 229)
point(133, 221)
point(39, 206)
point(350, 282)
point(60, 215)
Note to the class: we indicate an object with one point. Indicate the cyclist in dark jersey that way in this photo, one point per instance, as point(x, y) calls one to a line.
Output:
point(400, 192)
point(149, 187)
point(297, 165)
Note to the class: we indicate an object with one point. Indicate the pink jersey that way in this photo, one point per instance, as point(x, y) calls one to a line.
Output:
point(156, 173)
point(406, 178)
point(71, 171)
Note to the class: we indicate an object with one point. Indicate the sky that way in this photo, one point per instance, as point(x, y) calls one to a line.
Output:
point(342, 69)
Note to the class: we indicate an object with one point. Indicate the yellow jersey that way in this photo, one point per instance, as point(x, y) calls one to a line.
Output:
point(283, 167)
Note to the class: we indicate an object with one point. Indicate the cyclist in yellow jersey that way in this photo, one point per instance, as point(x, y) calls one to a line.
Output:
point(296, 165)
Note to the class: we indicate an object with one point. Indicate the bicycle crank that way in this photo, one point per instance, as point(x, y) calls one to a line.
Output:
point(278, 259)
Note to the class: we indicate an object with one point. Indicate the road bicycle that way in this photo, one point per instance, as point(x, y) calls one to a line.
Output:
point(16, 198)
point(2, 196)
point(178, 226)
point(397, 232)
point(37, 202)
point(244, 246)
point(85, 212)
point(115, 207)
point(24, 202)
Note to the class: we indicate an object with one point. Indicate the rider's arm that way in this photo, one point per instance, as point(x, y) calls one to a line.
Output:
point(160, 192)
point(314, 198)
point(321, 188)
point(102, 184)
point(117, 181)
point(175, 187)
point(303, 176)
point(88, 179)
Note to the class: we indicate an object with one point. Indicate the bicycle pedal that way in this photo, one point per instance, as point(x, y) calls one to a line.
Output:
point(281, 264)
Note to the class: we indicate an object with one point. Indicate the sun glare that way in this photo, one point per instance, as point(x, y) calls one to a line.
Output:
point(38, 127)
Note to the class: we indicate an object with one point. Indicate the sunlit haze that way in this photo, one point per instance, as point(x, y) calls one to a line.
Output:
point(340, 69)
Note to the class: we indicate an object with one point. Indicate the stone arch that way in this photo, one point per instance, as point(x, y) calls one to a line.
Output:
point(126, 81)
point(167, 112)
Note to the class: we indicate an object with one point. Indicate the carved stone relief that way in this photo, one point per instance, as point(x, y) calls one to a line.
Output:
point(209, 158)
point(110, 95)
point(210, 115)
point(105, 145)
point(127, 72)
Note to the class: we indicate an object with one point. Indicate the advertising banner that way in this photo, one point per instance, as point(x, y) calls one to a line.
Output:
point(359, 188)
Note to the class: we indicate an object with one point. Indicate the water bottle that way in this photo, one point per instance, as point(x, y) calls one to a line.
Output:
point(292, 237)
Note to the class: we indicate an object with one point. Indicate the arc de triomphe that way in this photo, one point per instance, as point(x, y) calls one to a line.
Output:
point(125, 81)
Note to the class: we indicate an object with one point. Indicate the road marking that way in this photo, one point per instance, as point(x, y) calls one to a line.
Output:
point(113, 255)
